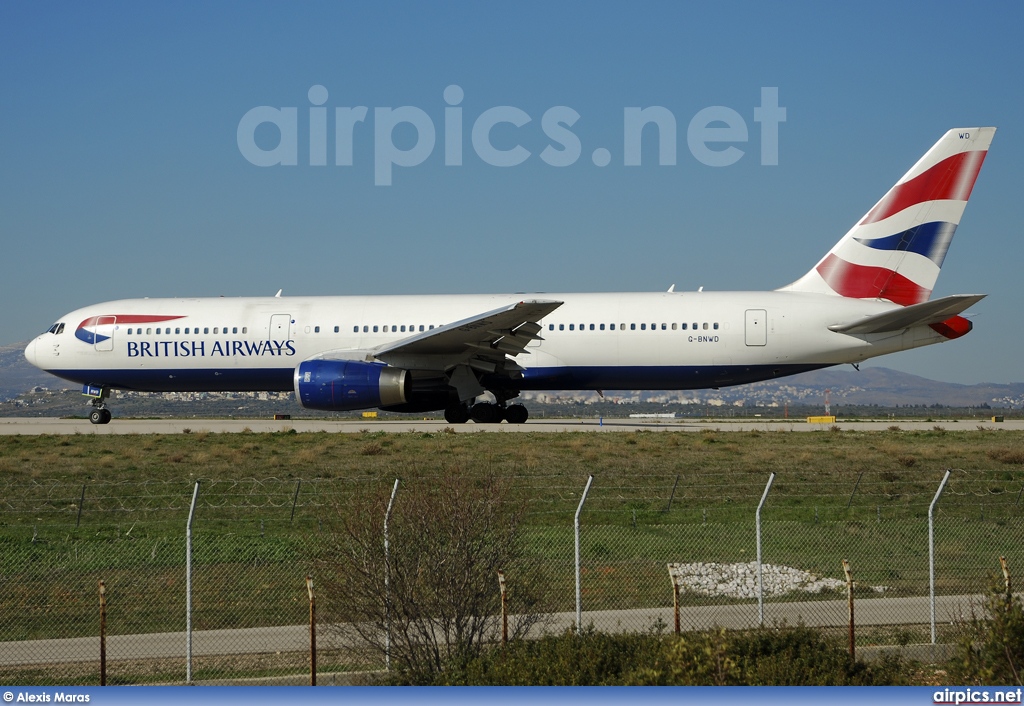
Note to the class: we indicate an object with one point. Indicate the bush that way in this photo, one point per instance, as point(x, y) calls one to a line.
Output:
point(435, 600)
point(798, 656)
point(990, 648)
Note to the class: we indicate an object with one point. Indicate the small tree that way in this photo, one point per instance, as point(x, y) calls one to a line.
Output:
point(437, 595)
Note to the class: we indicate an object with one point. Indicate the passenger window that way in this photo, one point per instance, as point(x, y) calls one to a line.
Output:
point(674, 325)
point(705, 325)
point(715, 326)
point(421, 327)
point(149, 331)
point(215, 329)
point(694, 325)
point(366, 329)
point(431, 327)
point(394, 329)
point(663, 327)
point(572, 327)
point(602, 327)
point(561, 327)
point(683, 326)
point(632, 327)
point(592, 326)
point(375, 329)
point(206, 329)
point(158, 332)
point(316, 329)
point(643, 327)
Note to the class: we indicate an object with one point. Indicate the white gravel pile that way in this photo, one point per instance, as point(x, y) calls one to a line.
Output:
point(740, 580)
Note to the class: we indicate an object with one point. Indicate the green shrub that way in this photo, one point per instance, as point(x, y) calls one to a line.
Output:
point(783, 656)
point(990, 648)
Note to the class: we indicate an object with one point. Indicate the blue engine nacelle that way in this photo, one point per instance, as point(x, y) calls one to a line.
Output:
point(341, 385)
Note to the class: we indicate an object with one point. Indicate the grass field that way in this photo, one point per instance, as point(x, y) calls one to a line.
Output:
point(77, 509)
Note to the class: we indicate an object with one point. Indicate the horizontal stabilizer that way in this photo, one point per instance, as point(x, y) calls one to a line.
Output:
point(930, 312)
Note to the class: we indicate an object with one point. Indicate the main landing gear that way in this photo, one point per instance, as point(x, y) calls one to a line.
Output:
point(486, 413)
point(99, 414)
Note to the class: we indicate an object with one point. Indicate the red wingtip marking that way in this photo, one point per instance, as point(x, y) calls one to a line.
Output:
point(953, 328)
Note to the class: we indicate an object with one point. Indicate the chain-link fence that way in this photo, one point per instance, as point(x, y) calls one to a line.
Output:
point(250, 539)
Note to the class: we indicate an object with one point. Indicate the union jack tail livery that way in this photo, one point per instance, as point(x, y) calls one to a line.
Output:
point(895, 251)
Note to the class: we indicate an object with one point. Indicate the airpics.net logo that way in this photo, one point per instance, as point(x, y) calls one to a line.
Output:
point(715, 136)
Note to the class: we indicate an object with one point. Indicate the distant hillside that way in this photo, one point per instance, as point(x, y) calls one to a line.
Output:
point(18, 376)
point(880, 387)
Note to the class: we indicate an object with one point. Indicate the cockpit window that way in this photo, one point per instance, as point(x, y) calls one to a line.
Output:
point(56, 329)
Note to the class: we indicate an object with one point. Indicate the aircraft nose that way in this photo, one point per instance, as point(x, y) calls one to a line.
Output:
point(30, 352)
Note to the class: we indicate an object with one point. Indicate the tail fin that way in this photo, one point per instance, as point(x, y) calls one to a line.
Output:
point(896, 250)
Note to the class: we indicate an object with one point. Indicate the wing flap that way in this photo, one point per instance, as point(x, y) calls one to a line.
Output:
point(930, 312)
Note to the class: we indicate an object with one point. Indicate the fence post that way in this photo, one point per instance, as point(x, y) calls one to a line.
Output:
point(188, 586)
point(849, 595)
point(387, 580)
point(295, 499)
point(931, 550)
point(81, 502)
point(1006, 581)
point(504, 608)
point(103, 634)
point(673, 573)
point(579, 591)
point(760, 577)
point(312, 631)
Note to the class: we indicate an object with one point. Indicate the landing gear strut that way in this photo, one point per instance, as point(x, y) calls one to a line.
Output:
point(99, 414)
point(486, 413)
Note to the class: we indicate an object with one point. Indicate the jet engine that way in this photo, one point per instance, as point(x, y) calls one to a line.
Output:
point(341, 385)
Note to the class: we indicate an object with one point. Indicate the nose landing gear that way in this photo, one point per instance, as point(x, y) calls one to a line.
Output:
point(99, 414)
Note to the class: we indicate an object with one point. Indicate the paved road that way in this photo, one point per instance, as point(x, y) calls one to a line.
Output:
point(36, 426)
point(295, 638)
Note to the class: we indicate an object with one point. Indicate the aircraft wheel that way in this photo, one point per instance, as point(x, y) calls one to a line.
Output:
point(486, 413)
point(456, 414)
point(100, 416)
point(516, 414)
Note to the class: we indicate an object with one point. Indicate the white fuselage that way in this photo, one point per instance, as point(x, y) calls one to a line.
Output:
point(669, 340)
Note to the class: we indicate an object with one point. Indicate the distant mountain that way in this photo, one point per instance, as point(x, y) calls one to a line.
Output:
point(869, 386)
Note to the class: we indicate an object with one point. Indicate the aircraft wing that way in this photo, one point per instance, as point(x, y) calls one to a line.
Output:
point(930, 312)
point(486, 338)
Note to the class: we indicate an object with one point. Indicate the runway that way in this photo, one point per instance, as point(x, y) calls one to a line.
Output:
point(34, 426)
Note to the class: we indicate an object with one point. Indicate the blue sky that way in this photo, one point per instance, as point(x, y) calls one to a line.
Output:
point(122, 174)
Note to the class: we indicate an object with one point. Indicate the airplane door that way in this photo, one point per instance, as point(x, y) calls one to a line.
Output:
point(756, 330)
point(280, 327)
point(104, 333)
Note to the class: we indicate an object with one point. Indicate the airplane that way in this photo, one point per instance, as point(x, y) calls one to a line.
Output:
point(868, 296)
